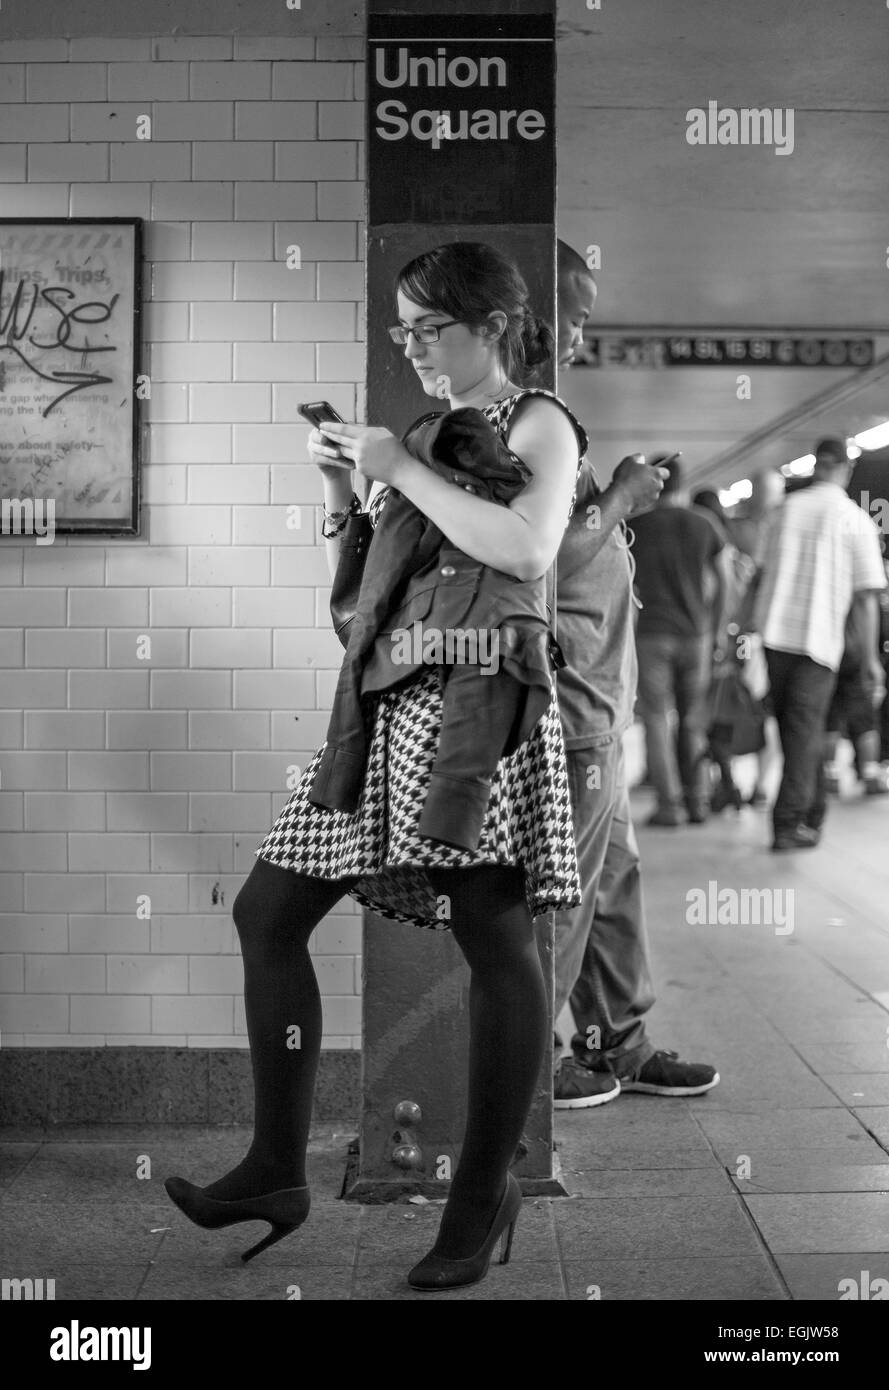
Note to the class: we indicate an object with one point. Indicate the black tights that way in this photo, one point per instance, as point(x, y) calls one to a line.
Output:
point(275, 913)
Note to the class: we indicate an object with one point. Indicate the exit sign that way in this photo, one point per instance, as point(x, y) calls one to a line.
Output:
point(735, 350)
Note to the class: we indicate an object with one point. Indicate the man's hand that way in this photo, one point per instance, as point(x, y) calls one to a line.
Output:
point(638, 484)
point(873, 683)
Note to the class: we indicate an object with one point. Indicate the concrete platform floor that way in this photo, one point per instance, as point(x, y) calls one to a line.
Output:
point(773, 1187)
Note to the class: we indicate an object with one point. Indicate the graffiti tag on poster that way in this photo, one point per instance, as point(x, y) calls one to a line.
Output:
point(67, 367)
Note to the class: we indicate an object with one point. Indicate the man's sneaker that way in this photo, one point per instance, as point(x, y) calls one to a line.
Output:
point(664, 1075)
point(576, 1087)
point(876, 785)
point(802, 837)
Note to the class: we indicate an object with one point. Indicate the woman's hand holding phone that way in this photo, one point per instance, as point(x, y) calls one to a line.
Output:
point(324, 452)
point(322, 449)
point(334, 445)
point(374, 452)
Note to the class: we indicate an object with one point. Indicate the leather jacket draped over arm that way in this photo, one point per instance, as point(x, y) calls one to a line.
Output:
point(423, 603)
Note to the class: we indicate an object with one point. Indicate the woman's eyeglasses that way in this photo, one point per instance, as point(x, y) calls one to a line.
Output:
point(426, 333)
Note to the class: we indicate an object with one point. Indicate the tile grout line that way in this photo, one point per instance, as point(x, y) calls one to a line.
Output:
point(746, 1213)
point(353, 1279)
point(560, 1254)
point(848, 1108)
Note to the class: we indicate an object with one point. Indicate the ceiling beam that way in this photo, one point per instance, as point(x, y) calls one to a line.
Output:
point(793, 419)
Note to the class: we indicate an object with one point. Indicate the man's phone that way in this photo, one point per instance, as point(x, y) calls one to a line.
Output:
point(662, 463)
point(316, 412)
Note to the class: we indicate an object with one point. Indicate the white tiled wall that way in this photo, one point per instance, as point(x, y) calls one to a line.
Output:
point(123, 778)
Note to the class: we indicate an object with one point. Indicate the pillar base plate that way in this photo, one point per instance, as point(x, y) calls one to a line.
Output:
point(377, 1191)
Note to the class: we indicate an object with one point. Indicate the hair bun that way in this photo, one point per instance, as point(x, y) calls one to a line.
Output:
point(537, 339)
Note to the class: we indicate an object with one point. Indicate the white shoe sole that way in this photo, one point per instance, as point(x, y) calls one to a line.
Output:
point(648, 1090)
point(584, 1102)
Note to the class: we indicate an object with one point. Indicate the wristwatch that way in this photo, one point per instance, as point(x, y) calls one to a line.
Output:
point(334, 523)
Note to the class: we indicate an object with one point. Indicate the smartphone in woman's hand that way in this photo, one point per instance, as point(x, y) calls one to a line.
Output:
point(316, 412)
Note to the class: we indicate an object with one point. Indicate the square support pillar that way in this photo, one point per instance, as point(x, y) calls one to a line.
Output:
point(485, 171)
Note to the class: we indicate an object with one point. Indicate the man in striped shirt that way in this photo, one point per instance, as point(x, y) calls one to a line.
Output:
point(821, 565)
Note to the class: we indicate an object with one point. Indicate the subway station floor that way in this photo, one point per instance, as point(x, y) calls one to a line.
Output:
point(773, 1187)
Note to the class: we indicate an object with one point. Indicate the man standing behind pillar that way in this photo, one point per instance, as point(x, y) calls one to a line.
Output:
point(601, 947)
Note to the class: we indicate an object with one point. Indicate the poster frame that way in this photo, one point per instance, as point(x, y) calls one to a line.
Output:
point(130, 525)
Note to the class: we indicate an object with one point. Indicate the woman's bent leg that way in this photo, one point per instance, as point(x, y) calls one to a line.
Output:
point(275, 913)
point(508, 1037)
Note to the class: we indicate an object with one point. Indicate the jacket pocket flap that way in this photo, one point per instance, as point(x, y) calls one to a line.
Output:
point(415, 607)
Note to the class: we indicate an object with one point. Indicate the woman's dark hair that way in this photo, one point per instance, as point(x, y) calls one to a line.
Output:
point(467, 281)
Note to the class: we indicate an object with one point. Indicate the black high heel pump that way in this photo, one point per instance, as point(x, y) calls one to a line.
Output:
point(435, 1272)
point(284, 1210)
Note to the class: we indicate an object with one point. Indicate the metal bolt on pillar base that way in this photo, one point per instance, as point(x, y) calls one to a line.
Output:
point(408, 1156)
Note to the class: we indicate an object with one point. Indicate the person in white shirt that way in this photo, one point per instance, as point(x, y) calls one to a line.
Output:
point(821, 564)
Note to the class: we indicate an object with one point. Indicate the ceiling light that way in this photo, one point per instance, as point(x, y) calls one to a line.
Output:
point(876, 438)
point(801, 467)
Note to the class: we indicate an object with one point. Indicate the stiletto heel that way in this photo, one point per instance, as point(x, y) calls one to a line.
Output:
point(436, 1272)
point(278, 1232)
point(506, 1245)
point(284, 1210)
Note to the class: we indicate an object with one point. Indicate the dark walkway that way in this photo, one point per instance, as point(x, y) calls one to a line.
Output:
point(798, 1024)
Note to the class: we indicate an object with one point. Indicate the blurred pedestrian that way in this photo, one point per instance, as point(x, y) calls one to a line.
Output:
point(748, 528)
point(852, 715)
point(682, 581)
point(727, 653)
point(821, 565)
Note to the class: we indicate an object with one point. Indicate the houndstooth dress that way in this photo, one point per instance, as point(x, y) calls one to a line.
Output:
point(528, 820)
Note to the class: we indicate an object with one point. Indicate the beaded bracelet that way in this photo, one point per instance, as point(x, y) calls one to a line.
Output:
point(334, 523)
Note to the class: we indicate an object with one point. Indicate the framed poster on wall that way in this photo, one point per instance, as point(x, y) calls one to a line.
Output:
point(69, 362)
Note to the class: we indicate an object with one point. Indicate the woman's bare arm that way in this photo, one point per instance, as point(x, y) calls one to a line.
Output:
point(523, 538)
point(337, 483)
